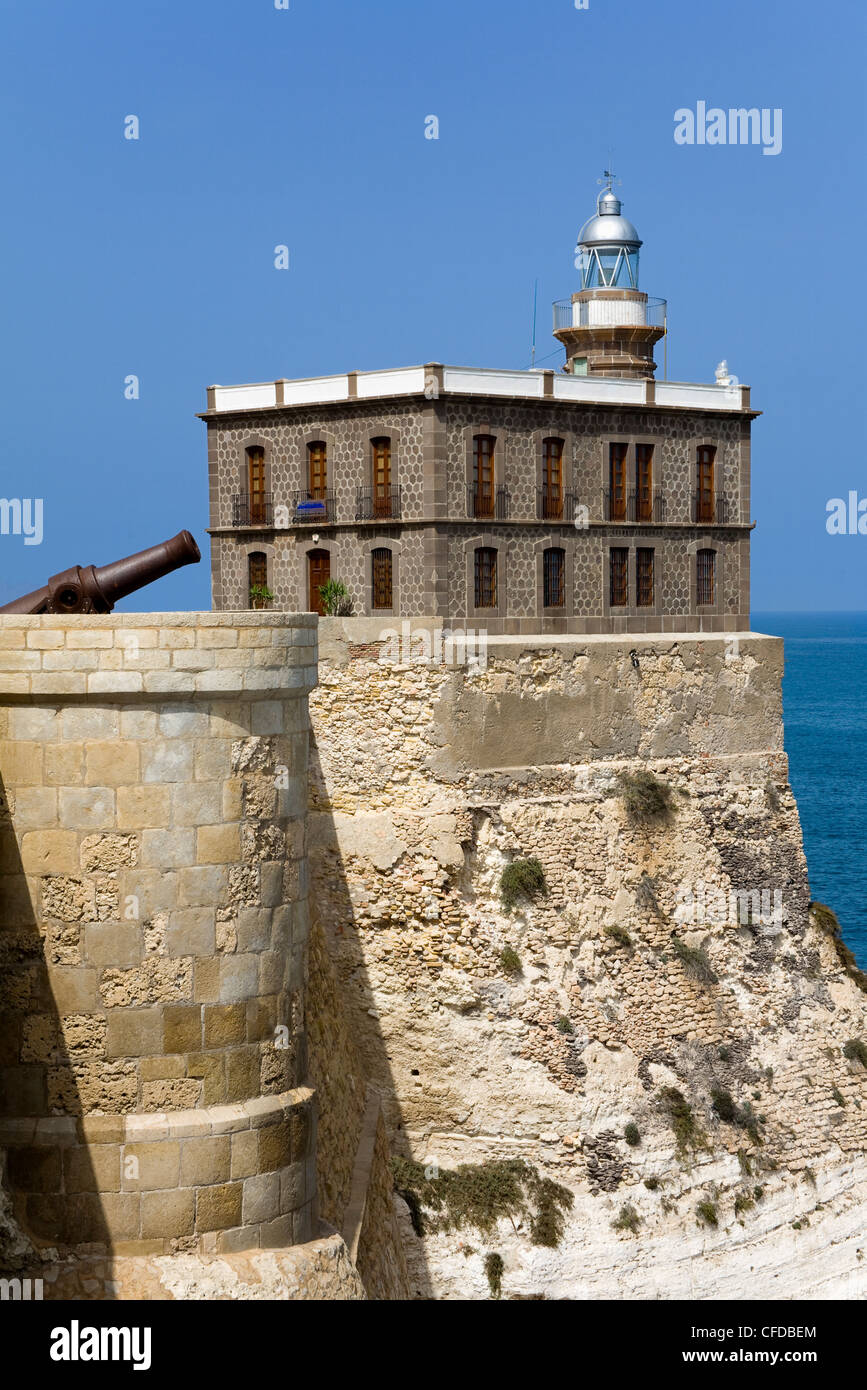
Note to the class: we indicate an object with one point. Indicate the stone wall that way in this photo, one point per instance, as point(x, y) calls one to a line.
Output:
point(426, 781)
point(153, 1077)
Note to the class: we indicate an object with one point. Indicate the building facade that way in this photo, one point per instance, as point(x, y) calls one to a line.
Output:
point(594, 499)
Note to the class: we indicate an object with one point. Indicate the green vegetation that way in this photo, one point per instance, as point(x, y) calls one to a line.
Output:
point(619, 934)
point(687, 1132)
point(694, 961)
point(260, 595)
point(494, 1267)
point(743, 1203)
point(479, 1195)
point(632, 1135)
point(646, 801)
point(810, 1177)
point(652, 1184)
point(742, 1116)
point(510, 960)
point(628, 1220)
point(758, 1193)
point(827, 921)
point(564, 1025)
point(335, 599)
point(724, 1054)
point(523, 878)
point(856, 1051)
point(707, 1213)
point(838, 1096)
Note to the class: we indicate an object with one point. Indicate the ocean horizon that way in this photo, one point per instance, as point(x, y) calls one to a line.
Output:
point(826, 741)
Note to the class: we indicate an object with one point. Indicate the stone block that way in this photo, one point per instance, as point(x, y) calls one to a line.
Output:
point(74, 990)
point(242, 1073)
point(134, 1032)
point(146, 1167)
point(111, 763)
point(274, 1235)
point(29, 723)
point(182, 1028)
point(169, 1214)
point(49, 852)
point(202, 886)
point(191, 931)
point(225, 1025)
point(108, 944)
point(86, 808)
point(197, 803)
point(183, 721)
point(64, 764)
point(209, 1068)
point(218, 844)
point(95, 1169)
point(206, 1161)
point(138, 723)
point(239, 978)
point(261, 1197)
point(178, 1094)
point(90, 723)
point(143, 807)
point(167, 760)
point(245, 1154)
point(206, 981)
point(170, 849)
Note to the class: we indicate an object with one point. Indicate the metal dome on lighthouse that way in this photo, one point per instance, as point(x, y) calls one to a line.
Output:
point(609, 326)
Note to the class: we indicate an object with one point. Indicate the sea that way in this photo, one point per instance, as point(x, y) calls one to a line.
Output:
point(825, 714)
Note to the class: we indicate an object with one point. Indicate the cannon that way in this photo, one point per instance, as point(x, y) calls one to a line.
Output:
point(97, 589)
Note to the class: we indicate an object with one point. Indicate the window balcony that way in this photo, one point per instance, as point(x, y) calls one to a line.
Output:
point(311, 507)
point(253, 509)
point(377, 504)
point(710, 509)
point(553, 506)
point(641, 507)
point(495, 506)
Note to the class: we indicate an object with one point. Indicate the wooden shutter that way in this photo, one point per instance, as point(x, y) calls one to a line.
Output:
point(256, 480)
point(552, 479)
point(483, 475)
point(383, 592)
point(381, 476)
point(704, 483)
point(644, 482)
point(644, 578)
point(619, 593)
point(318, 470)
point(617, 480)
point(319, 572)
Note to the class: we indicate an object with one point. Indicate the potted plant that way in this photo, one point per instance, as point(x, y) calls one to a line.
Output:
point(335, 599)
point(260, 596)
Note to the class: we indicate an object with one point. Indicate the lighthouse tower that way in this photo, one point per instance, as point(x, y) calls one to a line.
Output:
point(610, 326)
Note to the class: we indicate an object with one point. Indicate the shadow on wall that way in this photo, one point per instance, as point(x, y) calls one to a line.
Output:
point(48, 1190)
point(349, 1057)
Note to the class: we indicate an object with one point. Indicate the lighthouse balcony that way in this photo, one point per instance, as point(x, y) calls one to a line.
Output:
point(611, 309)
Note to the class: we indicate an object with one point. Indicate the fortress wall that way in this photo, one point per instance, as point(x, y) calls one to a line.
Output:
point(153, 1061)
point(426, 781)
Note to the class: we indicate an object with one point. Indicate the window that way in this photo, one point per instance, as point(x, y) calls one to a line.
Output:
point(383, 578)
point(483, 475)
point(552, 479)
point(644, 578)
point(644, 482)
point(704, 509)
point(705, 587)
point(317, 454)
point(257, 577)
point(617, 480)
point(381, 449)
point(619, 592)
point(486, 577)
point(554, 576)
point(256, 485)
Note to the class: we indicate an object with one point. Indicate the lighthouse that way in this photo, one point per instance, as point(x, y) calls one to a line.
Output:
point(610, 326)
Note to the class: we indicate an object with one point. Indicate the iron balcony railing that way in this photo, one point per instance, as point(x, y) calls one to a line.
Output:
point(253, 509)
point(580, 314)
point(553, 506)
point(708, 509)
point(634, 506)
point(312, 506)
point(377, 504)
point(496, 505)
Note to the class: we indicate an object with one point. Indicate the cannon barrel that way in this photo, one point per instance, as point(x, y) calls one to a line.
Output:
point(97, 589)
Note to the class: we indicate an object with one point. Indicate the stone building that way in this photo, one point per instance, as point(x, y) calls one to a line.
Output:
point(590, 500)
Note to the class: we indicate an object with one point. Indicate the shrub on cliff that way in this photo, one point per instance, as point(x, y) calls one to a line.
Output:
point(743, 1116)
point(480, 1195)
point(632, 1134)
point(686, 1129)
point(523, 878)
point(628, 1220)
point(494, 1267)
point(707, 1214)
point(619, 934)
point(646, 801)
point(694, 961)
point(510, 961)
point(856, 1051)
point(826, 920)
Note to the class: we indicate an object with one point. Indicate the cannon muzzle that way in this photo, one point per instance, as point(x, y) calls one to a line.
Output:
point(97, 590)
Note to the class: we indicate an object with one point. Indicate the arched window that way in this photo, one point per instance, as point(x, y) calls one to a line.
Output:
point(705, 577)
point(486, 577)
point(257, 578)
point(381, 468)
point(258, 497)
point(704, 491)
point(382, 575)
point(483, 475)
point(552, 479)
point(554, 578)
point(317, 470)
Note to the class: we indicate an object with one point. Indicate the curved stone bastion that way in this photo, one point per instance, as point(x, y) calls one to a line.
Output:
point(153, 938)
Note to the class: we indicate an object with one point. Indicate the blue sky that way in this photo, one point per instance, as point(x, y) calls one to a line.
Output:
point(305, 127)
